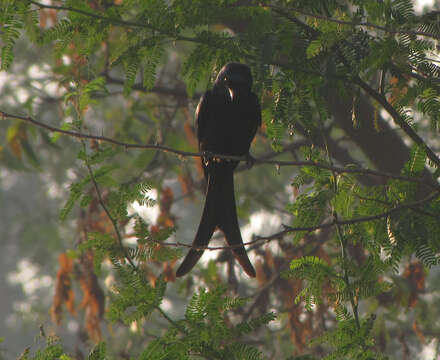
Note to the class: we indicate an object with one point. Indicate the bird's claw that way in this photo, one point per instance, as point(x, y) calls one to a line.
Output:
point(207, 156)
point(250, 161)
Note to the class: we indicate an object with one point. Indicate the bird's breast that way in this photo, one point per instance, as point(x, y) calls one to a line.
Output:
point(229, 130)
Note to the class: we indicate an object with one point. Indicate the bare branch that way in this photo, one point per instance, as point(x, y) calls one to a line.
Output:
point(335, 222)
point(278, 163)
point(98, 138)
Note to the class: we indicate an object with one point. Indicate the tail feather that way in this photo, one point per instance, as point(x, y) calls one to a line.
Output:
point(204, 232)
point(229, 225)
point(234, 238)
point(219, 210)
point(189, 262)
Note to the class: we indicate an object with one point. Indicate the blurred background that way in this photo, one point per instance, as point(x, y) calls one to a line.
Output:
point(36, 174)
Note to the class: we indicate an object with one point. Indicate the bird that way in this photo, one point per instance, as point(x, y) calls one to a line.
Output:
point(227, 119)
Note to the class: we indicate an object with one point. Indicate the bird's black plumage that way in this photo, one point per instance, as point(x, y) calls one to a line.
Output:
point(227, 119)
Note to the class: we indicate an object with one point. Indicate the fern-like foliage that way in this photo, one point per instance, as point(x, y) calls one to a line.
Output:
point(99, 352)
point(204, 331)
point(14, 17)
point(350, 342)
point(52, 350)
point(315, 271)
point(351, 339)
point(134, 298)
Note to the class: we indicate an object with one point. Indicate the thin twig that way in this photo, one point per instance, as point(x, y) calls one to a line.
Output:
point(278, 163)
point(289, 229)
point(121, 245)
point(80, 135)
point(109, 216)
point(114, 21)
point(171, 321)
point(340, 234)
point(284, 266)
point(381, 99)
point(343, 241)
point(351, 23)
point(387, 203)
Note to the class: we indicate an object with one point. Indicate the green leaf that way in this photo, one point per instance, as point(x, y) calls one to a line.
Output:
point(66, 126)
point(98, 352)
point(314, 48)
point(74, 195)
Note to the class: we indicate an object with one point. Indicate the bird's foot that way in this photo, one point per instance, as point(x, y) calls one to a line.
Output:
point(207, 156)
point(250, 161)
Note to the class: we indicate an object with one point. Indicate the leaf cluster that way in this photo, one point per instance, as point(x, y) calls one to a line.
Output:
point(206, 332)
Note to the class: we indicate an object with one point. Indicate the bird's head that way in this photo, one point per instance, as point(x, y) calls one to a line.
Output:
point(236, 77)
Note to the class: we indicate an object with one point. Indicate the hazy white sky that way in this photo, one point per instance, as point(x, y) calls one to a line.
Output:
point(421, 3)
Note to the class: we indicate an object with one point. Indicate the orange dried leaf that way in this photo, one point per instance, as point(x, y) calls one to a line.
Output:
point(168, 271)
point(418, 332)
point(199, 167)
point(93, 298)
point(168, 223)
point(187, 185)
point(397, 90)
point(190, 135)
point(63, 289)
point(154, 229)
point(415, 275)
point(166, 199)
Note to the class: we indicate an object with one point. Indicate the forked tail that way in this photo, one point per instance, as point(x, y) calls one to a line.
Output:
point(219, 210)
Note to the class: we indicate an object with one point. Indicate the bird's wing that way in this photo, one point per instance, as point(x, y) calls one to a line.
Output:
point(203, 116)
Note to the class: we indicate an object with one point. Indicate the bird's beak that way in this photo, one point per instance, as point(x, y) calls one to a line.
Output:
point(231, 93)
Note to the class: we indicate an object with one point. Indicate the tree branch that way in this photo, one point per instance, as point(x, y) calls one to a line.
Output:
point(175, 92)
point(350, 23)
point(396, 155)
point(181, 153)
point(109, 216)
point(397, 119)
point(98, 138)
point(289, 229)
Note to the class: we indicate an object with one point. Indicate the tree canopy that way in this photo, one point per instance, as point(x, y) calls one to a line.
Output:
point(102, 183)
